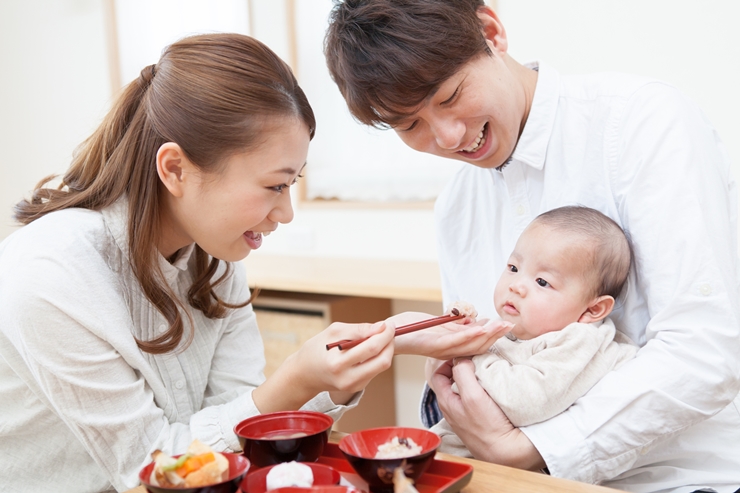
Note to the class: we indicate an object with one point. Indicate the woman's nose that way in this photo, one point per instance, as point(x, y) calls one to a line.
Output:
point(283, 211)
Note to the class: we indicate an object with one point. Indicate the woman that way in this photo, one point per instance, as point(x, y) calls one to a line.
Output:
point(126, 327)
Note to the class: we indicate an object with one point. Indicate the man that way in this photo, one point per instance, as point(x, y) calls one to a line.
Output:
point(438, 73)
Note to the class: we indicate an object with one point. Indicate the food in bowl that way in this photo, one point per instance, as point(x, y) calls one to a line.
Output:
point(199, 466)
point(289, 474)
point(398, 448)
point(324, 477)
point(361, 448)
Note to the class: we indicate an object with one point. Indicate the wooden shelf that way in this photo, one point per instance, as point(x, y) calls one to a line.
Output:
point(392, 279)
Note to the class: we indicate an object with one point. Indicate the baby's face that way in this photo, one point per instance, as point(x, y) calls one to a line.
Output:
point(545, 286)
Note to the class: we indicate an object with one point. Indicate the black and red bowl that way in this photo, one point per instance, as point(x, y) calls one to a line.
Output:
point(323, 475)
point(238, 466)
point(360, 448)
point(285, 436)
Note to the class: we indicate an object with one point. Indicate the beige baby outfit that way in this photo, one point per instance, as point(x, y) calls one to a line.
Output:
point(536, 379)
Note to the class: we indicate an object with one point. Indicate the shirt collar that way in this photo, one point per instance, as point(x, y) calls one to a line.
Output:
point(531, 148)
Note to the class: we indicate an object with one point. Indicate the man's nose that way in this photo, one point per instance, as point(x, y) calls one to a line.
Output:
point(449, 133)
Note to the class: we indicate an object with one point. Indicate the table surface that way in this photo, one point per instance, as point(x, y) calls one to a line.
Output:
point(492, 478)
point(377, 278)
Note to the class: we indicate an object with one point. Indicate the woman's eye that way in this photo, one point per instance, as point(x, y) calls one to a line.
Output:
point(280, 188)
point(512, 268)
point(542, 282)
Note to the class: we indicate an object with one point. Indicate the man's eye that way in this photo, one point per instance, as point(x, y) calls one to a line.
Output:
point(410, 127)
point(512, 268)
point(451, 98)
point(542, 282)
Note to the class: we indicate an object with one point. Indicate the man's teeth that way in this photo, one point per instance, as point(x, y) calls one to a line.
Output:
point(479, 141)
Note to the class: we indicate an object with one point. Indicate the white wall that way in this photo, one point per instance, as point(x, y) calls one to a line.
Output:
point(54, 89)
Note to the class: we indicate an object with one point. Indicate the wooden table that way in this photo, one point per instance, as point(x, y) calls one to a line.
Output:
point(492, 478)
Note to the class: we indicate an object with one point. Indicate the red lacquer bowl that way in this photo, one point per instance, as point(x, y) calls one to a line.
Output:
point(360, 448)
point(285, 436)
point(238, 466)
point(323, 475)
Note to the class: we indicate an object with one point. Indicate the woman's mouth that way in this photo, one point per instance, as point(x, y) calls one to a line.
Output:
point(254, 240)
point(475, 148)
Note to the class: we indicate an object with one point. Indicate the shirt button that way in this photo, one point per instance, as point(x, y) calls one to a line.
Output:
point(179, 384)
point(519, 209)
point(705, 289)
point(162, 329)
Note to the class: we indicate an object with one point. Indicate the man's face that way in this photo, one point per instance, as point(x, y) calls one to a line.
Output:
point(476, 116)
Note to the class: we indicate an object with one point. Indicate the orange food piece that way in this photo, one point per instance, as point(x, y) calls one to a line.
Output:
point(194, 463)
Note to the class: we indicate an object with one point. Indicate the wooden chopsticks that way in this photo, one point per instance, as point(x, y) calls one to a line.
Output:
point(404, 329)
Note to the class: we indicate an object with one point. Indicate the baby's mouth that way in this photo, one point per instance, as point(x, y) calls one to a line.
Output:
point(510, 309)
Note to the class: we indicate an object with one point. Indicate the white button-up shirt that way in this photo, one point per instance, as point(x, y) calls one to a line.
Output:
point(81, 406)
point(643, 154)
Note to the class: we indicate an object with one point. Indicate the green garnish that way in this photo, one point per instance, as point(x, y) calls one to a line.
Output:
point(179, 462)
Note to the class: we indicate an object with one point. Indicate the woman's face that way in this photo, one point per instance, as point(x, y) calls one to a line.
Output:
point(228, 212)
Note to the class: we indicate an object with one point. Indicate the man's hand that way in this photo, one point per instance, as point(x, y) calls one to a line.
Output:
point(478, 421)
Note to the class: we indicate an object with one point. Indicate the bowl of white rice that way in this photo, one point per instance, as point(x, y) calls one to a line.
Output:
point(376, 453)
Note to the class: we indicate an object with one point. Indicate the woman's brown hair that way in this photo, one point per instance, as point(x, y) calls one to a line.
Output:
point(210, 94)
point(388, 56)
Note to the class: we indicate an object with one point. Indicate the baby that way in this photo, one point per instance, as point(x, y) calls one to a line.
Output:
point(560, 284)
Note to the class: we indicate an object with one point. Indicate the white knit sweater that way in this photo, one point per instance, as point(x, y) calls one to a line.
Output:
point(81, 406)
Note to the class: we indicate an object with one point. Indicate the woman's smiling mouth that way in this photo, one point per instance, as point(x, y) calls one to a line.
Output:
point(254, 240)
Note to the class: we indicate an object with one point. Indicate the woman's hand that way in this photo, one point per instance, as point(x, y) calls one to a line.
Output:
point(478, 421)
point(313, 369)
point(452, 340)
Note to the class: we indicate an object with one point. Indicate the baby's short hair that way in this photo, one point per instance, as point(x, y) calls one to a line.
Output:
point(612, 253)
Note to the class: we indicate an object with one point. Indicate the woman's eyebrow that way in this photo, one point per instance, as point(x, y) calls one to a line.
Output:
point(289, 171)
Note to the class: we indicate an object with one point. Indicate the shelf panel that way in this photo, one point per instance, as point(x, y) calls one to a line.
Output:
point(394, 279)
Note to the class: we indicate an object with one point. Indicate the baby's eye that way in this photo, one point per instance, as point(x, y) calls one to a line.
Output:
point(512, 268)
point(542, 282)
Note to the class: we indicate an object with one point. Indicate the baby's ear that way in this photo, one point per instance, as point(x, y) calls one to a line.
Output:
point(598, 309)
